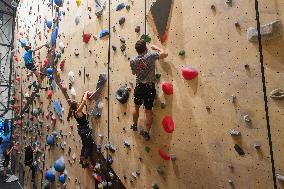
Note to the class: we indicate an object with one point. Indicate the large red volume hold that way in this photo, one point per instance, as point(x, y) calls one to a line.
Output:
point(189, 73)
point(164, 155)
point(167, 88)
point(168, 124)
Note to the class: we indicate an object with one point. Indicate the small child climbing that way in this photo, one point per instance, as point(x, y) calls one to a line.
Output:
point(85, 132)
point(6, 155)
point(143, 66)
point(29, 61)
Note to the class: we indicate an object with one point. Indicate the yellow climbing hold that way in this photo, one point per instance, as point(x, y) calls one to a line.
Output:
point(78, 2)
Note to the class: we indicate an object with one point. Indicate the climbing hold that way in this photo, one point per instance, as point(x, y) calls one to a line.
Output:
point(50, 175)
point(103, 33)
point(280, 177)
point(114, 48)
point(164, 155)
point(23, 42)
point(237, 25)
point(121, 21)
point(58, 3)
point(229, 3)
point(49, 71)
point(213, 7)
point(277, 94)
point(59, 165)
point(235, 133)
point(61, 46)
point(268, 31)
point(189, 73)
point(57, 108)
point(49, 94)
point(127, 7)
point(239, 150)
point(168, 124)
point(167, 88)
point(62, 178)
point(233, 98)
point(120, 6)
point(54, 36)
point(163, 105)
point(76, 52)
point(181, 53)
point(18, 78)
point(247, 119)
point(71, 76)
point(257, 146)
point(73, 92)
point(147, 38)
point(122, 94)
point(78, 2)
point(49, 24)
point(155, 186)
point(77, 20)
point(123, 47)
point(87, 37)
point(137, 29)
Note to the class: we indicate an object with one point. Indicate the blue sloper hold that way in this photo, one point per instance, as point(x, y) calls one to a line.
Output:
point(57, 108)
point(54, 36)
point(104, 33)
point(120, 6)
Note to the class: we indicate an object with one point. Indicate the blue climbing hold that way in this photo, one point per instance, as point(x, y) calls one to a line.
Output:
point(23, 42)
point(54, 36)
point(59, 165)
point(58, 3)
point(50, 140)
point(49, 71)
point(62, 178)
point(58, 108)
point(120, 6)
point(49, 23)
point(50, 175)
point(104, 33)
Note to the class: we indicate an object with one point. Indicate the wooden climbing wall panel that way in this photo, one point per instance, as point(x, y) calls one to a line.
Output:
point(202, 109)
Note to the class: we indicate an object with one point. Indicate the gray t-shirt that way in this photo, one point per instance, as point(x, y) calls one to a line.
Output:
point(143, 66)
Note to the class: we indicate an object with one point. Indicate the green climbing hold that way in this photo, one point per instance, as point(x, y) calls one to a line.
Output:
point(147, 38)
point(127, 7)
point(163, 105)
point(147, 149)
point(158, 76)
point(181, 53)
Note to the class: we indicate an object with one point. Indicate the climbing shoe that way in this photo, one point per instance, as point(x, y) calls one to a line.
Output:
point(133, 127)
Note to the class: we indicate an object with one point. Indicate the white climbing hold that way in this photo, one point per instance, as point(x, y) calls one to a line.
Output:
point(71, 77)
point(61, 46)
point(247, 119)
point(235, 133)
point(277, 94)
point(280, 177)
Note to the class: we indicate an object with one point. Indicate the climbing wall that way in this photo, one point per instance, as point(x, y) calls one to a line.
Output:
point(227, 94)
point(273, 61)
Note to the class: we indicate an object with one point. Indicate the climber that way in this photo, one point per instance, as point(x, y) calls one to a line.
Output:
point(85, 132)
point(30, 62)
point(29, 160)
point(143, 66)
point(6, 155)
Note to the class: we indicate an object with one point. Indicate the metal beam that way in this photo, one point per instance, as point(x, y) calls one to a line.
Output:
point(9, 6)
point(5, 45)
point(5, 12)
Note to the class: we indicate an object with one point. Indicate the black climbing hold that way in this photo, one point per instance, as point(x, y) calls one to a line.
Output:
point(239, 150)
point(123, 47)
point(137, 29)
point(122, 94)
point(122, 40)
point(121, 20)
point(159, 13)
point(114, 48)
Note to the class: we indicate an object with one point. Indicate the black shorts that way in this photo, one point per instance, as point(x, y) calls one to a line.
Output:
point(5, 163)
point(31, 67)
point(145, 94)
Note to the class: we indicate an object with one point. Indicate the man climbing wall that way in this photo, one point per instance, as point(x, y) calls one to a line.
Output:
point(143, 66)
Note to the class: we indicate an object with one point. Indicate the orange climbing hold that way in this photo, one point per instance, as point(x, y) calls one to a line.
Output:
point(167, 88)
point(189, 73)
point(168, 124)
point(87, 37)
point(164, 155)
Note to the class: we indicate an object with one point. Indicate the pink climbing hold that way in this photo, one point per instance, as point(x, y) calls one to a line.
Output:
point(164, 155)
point(167, 88)
point(87, 37)
point(168, 124)
point(18, 79)
point(189, 73)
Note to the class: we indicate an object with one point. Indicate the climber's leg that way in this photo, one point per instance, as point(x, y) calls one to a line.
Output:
point(138, 101)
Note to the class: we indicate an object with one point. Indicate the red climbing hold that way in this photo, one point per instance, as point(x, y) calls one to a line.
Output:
point(18, 79)
point(87, 37)
point(167, 88)
point(49, 94)
point(16, 58)
point(62, 63)
point(45, 62)
point(164, 37)
point(89, 95)
point(47, 115)
point(168, 124)
point(164, 155)
point(189, 73)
